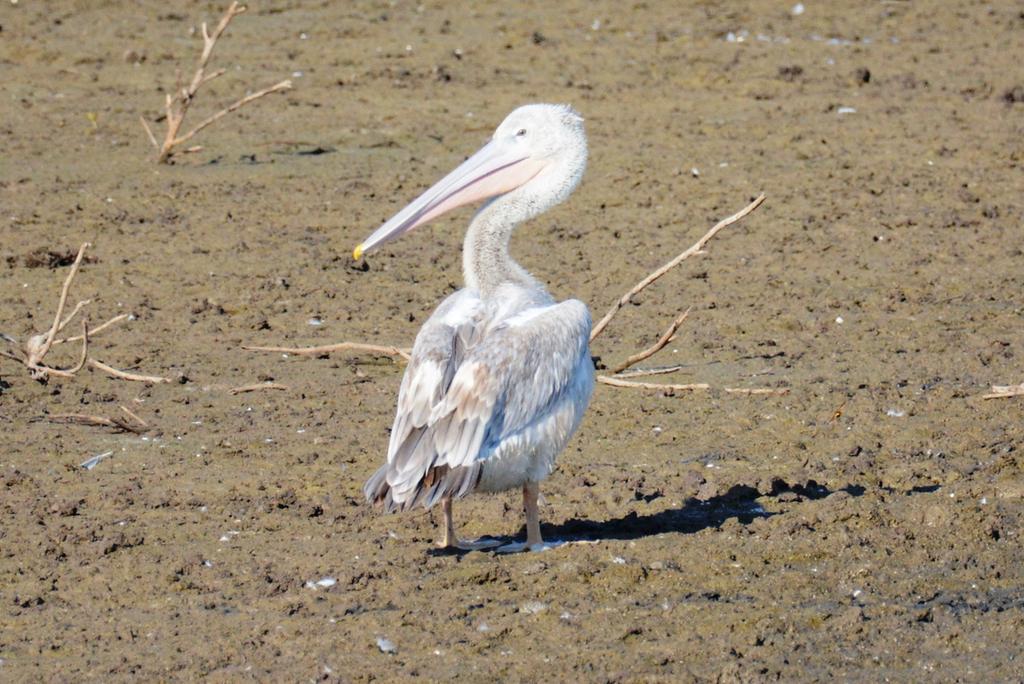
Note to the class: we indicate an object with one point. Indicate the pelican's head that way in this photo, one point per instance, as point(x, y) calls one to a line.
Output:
point(539, 152)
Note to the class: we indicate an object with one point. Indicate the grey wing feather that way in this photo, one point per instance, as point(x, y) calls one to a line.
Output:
point(469, 386)
point(513, 376)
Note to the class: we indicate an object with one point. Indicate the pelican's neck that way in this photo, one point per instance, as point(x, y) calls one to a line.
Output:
point(486, 262)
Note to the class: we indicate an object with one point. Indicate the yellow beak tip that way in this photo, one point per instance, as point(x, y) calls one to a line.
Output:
point(357, 252)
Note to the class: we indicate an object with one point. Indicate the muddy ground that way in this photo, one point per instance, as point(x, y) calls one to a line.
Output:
point(865, 526)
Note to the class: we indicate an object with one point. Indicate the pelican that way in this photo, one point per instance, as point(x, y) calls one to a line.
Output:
point(500, 375)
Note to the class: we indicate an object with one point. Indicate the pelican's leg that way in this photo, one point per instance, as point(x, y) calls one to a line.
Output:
point(534, 542)
point(451, 540)
point(531, 490)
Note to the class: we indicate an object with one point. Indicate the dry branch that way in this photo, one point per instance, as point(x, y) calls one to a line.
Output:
point(1005, 391)
point(124, 375)
point(619, 382)
point(131, 414)
point(38, 346)
point(777, 391)
point(695, 248)
point(643, 372)
point(383, 350)
point(176, 107)
point(117, 424)
point(97, 329)
point(258, 386)
point(666, 337)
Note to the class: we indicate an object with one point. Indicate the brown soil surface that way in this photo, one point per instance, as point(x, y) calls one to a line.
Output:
point(866, 526)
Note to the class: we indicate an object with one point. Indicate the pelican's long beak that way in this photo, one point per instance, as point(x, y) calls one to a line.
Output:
point(497, 168)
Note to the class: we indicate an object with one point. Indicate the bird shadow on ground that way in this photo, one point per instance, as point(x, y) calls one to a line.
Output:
point(740, 502)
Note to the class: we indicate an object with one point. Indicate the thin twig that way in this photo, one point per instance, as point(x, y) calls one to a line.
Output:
point(36, 355)
point(99, 365)
point(779, 391)
point(85, 348)
point(177, 106)
point(283, 85)
point(642, 372)
point(149, 133)
point(131, 414)
point(340, 346)
point(665, 338)
point(71, 316)
point(618, 382)
point(1005, 391)
point(98, 328)
point(91, 421)
point(256, 387)
point(696, 248)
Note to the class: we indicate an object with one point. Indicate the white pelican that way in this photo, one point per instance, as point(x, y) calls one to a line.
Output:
point(500, 374)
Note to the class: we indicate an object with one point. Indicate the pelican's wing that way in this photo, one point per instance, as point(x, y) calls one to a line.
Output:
point(439, 348)
point(510, 379)
point(501, 381)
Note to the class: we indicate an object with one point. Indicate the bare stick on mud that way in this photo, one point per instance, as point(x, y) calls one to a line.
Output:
point(619, 382)
point(1005, 391)
point(695, 248)
point(383, 350)
point(125, 375)
point(118, 424)
point(777, 391)
point(257, 387)
point(669, 334)
point(176, 107)
point(666, 337)
point(36, 348)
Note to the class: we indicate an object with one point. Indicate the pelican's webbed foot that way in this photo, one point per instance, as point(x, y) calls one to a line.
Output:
point(469, 544)
point(519, 547)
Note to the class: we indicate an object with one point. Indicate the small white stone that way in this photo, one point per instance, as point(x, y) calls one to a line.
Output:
point(695, 172)
point(797, 10)
point(618, 560)
point(839, 320)
point(533, 607)
point(386, 646)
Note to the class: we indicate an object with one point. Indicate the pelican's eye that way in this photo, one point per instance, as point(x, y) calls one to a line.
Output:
point(521, 132)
